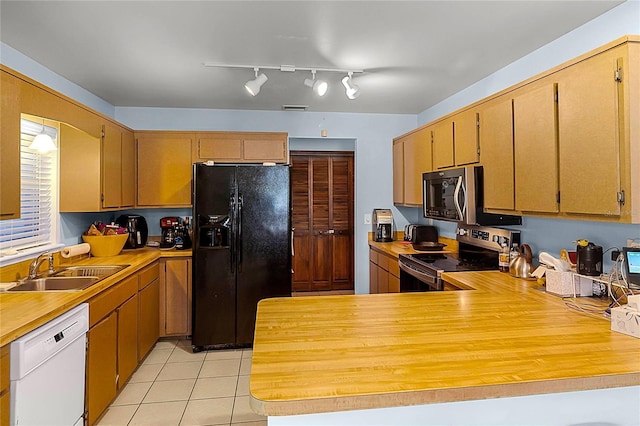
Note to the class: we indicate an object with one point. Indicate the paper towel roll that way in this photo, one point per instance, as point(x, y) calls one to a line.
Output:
point(76, 250)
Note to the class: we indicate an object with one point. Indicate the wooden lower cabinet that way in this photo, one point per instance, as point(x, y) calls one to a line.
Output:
point(102, 352)
point(175, 297)
point(123, 327)
point(148, 309)
point(384, 273)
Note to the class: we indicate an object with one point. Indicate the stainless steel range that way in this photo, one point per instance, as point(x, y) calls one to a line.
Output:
point(478, 250)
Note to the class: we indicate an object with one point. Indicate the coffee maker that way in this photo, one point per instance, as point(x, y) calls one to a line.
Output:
point(382, 225)
point(168, 225)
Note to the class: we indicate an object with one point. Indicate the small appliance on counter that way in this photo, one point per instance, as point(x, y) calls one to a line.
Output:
point(382, 221)
point(425, 238)
point(137, 227)
point(589, 260)
point(408, 232)
point(168, 231)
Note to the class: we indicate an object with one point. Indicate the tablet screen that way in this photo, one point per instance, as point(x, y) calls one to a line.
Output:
point(632, 264)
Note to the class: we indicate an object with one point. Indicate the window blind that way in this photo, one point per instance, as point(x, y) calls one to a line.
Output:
point(37, 190)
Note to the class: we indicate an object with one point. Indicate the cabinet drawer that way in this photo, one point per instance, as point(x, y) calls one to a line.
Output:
point(373, 256)
point(394, 268)
point(105, 303)
point(148, 275)
point(383, 262)
point(4, 368)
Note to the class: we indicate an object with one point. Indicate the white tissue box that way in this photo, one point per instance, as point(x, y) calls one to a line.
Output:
point(625, 320)
point(567, 284)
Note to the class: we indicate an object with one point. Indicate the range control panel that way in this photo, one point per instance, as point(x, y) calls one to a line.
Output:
point(482, 236)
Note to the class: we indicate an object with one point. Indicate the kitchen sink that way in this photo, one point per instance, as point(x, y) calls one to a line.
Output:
point(71, 278)
point(55, 283)
point(89, 271)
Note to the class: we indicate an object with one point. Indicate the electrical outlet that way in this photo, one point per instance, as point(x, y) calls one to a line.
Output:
point(367, 218)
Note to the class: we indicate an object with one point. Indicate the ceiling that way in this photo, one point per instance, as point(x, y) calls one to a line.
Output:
point(414, 53)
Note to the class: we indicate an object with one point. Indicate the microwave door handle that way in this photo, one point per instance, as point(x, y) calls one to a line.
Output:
point(456, 198)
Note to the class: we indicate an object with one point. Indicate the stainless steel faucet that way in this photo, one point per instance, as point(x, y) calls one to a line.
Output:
point(35, 265)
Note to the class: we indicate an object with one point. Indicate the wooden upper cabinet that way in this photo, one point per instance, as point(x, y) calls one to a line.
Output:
point(443, 153)
point(118, 162)
point(164, 169)
point(466, 137)
point(80, 165)
point(536, 147)
point(590, 107)
point(111, 166)
point(9, 147)
point(128, 169)
point(417, 160)
point(239, 147)
point(398, 171)
point(496, 154)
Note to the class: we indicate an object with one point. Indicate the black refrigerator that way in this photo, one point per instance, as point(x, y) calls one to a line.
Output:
point(241, 249)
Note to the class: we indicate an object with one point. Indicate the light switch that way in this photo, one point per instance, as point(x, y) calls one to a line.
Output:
point(367, 218)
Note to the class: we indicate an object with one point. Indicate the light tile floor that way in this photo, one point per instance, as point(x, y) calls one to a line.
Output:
point(174, 386)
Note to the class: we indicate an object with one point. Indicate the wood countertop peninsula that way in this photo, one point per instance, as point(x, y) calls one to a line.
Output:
point(22, 312)
point(504, 338)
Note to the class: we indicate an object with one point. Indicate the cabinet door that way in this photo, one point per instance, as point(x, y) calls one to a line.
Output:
point(394, 284)
point(80, 165)
point(111, 166)
point(398, 171)
point(443, 144)
point(10, 147)
point(373, 278)
point(224, 148)
point(588, 112)
point(536, 148)
point(148, 317)
point(262, 149)
point(383, 280)
point(417, 160)
point(4, 385)
point(466, 137)
point(175, 281)
point(496, 154)
point(127, 339)
point(128, 165)
point(164, 170)
point(101, 366)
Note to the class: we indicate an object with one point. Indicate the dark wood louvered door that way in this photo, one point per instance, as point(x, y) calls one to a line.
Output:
point(322, 198)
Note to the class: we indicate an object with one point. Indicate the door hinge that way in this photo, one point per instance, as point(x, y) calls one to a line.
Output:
point(621, 197)
point(558, 197)
point(618, 75)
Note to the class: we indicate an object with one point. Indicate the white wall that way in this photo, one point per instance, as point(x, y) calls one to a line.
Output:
point(371, 133)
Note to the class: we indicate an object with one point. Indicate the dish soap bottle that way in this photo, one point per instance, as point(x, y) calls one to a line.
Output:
point(503, 258)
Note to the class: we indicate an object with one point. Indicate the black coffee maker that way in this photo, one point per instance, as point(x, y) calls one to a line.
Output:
point(589, 259)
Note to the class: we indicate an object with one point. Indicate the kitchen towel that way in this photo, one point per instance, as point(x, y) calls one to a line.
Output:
point(76, 250)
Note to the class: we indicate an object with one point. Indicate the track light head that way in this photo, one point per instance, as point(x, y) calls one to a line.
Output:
point(253, 86)
point(351, 89)
point(320, 87)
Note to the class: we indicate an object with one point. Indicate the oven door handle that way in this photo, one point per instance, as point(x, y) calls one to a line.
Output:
point(425, 278)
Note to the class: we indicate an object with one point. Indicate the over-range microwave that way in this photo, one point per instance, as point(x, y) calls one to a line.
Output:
point(457, 195)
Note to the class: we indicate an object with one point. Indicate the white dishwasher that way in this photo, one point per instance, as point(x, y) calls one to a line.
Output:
point(47, 371)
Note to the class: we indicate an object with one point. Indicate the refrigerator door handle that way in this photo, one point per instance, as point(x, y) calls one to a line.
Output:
point(239, 232)
point(232, 252)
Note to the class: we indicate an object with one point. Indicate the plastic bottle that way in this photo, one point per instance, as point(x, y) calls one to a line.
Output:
point(503, 258)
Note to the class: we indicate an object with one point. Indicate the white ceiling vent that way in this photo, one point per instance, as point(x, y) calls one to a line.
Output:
point(294, 107)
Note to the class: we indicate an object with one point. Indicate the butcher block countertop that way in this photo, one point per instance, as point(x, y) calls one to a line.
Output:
point(22, 312)
point(504, 338)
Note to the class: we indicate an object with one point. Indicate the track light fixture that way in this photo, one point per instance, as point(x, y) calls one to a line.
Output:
point(352, 90)
point(320, 87)
point(253, 86)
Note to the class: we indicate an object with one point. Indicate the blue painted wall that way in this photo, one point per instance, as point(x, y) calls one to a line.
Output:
point(541, 233)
